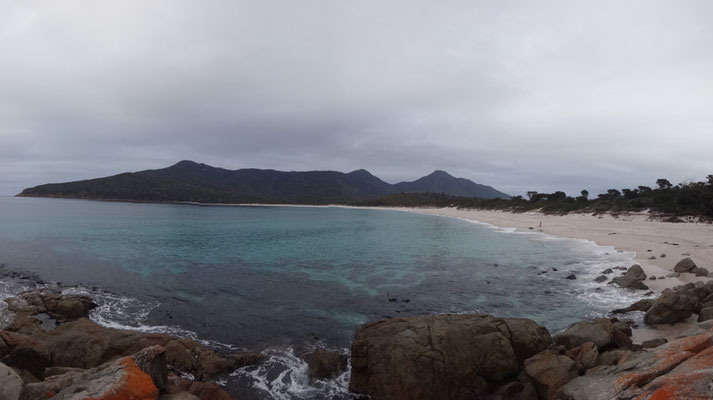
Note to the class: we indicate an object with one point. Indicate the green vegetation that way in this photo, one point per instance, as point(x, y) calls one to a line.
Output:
point(188, 181)
point(694, 199)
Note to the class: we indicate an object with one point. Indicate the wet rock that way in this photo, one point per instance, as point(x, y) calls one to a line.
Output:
point(673, 275)
point(685, 265)
point(671, 307)
point(11, 385)
point(700, 271)
point(424, 357)
point(627, 282)
point(608, 271)
point(652, 278)
point(641, 305)
point(600, 279)
point(549, 371)
point(571, 277)
point(650, 344)
point(636, 272)
point(204, 363)
point(325, 364)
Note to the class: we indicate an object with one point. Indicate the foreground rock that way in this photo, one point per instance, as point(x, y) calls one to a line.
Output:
point(549, 371)
point(78, 359)
point(441, 356)
point(671, 307)
point(682, 369)
point(636, 272)
point(11, 384)
point(628, 282)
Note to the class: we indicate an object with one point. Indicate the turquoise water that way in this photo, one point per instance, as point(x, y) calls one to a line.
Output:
point(292, 277)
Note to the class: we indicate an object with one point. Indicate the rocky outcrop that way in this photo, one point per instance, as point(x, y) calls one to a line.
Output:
point(685, 265)
point(325, 364)
point(682, 369)
point(672, 306)
point(584, 356)
point(604, 333)
point(76, 358)
point(58, 306)
point(441, 356)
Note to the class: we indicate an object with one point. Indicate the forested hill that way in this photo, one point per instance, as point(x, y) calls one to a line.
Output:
point(188, 181)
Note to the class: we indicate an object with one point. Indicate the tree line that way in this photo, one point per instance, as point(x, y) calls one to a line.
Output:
point(694, 199)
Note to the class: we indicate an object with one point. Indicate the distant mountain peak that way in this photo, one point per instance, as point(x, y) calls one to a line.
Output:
point(440, 173)
point(197, 182)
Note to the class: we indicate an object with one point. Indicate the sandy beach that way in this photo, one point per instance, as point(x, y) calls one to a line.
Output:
point(658, 245)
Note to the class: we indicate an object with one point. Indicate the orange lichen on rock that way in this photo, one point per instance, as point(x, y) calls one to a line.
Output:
point(666, 358)
point(690, 380)
point(136, 385)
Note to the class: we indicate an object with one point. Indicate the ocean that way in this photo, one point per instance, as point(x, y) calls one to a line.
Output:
point(283, 280)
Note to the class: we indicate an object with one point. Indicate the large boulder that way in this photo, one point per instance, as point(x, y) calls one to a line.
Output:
point(636, 272)
point(685, 265)
point(670, 307)
point(549, 371)
point(599, 331)
point(628, 282)
point(441, 356)
point(152, 361)
point(11, 384)
point(325, 364)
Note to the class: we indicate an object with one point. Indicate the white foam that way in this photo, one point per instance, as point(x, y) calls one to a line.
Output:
point(292, 382)
point(122, 312)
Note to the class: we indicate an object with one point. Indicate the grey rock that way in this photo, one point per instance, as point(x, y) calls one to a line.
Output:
point(671, 307)
point(11, 385)
point(607, 271)
point(685, 265)
point(636, 272)
point(673, 275)
point(598, 331)
point(706, 314)
point(700, 271)
point(628, 282)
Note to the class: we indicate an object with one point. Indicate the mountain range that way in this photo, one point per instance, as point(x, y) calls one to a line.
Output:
point(188, 181)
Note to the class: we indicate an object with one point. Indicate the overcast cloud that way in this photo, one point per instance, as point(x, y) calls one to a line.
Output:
point(520, 95)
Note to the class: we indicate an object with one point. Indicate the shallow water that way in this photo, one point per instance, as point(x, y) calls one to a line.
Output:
point(284, 279)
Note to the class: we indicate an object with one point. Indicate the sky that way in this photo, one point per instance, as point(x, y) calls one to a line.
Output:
point(520, 95)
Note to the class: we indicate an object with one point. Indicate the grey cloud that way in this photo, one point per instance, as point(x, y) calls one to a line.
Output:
point(519, 95)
